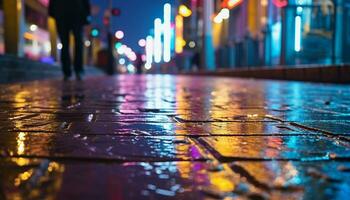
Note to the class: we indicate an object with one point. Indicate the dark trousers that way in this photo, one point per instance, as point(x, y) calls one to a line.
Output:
point(64, 28)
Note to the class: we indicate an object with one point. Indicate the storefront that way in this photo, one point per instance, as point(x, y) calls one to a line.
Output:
point(27, 33)
point(303, 32)
point(308, 32)
point(239, 37)
point(37, 44)
point(284, 32)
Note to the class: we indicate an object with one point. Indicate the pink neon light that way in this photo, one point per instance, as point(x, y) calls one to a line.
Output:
point(280, 3)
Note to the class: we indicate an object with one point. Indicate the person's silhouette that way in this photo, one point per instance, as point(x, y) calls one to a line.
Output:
point(70, 16)
point(139, 63)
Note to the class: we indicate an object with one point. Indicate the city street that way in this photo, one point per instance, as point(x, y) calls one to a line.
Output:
point(181, 137)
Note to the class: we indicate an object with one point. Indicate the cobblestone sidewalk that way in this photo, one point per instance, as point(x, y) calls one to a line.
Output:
point(174, 137)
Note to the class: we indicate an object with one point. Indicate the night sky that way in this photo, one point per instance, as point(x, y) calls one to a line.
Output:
point(136, 19)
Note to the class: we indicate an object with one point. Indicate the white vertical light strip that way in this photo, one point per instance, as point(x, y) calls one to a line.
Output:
point(297, 35)
point(208, 45)
point(149, 51)
point(157, 40)
point(167, 33)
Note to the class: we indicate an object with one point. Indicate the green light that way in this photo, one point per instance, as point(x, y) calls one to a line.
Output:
point(118, 45)
point(95, 32)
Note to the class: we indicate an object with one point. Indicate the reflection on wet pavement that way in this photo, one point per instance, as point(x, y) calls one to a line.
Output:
point(99, 147)
point(277, 148)
point(161, 137)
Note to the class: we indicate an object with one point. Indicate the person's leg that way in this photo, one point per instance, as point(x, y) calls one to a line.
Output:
point(63, 32)
point(78, 56)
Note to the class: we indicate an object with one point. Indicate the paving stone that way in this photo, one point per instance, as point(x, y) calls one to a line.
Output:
point(193, 129)
point(255, 128)
point(332, 126)
point(34, 126)
point(133, 118)
point(46, 179)
point(59, 117)
point(311, 177)
point(178, 137)
point(277, 147)
point(99, 147)
point(136, 128)
point(299, 116)
point(222, 118)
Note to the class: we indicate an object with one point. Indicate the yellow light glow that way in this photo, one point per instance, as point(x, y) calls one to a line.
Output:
point(252, 116)
point(19, 5)
point(21, 161)
point(29, 36)
point(264, 3)
point(179, 41)
point(185, 11)
point(23, 177)
point(54, 166)
point(221, 183)
point(20, 143)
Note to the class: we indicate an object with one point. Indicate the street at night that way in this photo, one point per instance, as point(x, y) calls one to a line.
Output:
point(174, 99)
point(178, 137)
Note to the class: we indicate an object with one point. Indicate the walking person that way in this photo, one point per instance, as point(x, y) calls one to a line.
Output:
point(139, 63)
point(70, 16)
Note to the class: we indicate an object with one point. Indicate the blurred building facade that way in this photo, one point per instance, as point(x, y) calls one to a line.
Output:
point(269, 33)
point(27, 31)
point(209, 34)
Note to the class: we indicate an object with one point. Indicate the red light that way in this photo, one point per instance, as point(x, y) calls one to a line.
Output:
point(280, 3)
point(106, 21)
point(116, 12)
point(231, 3)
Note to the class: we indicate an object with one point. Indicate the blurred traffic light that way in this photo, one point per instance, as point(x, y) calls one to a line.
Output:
point(118, 45)
point(95, 32)
point(116, 12)
point(106, 21)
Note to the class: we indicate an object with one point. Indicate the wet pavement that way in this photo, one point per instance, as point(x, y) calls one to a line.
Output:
point(174, 137)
